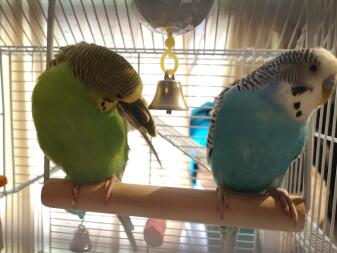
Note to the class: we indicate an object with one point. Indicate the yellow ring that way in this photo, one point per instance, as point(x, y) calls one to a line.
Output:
point(162, 63)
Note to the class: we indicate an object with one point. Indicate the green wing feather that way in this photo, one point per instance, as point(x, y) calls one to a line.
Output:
point(88, 144)
point(112, 77)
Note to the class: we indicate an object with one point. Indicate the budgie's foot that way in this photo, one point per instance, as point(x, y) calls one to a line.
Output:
point(287, 205)
point(109, 185)
point(223, 200)
point(76, 193)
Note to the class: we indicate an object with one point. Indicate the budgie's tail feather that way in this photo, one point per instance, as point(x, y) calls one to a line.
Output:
point(148, 141)
point(128, 227)
point(138, 115)
point(228, 238)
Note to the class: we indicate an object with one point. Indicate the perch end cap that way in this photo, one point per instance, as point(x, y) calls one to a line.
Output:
point(3, 181)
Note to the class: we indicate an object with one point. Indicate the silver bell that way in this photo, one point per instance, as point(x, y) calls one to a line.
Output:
point(169, 96)
point(81, 240)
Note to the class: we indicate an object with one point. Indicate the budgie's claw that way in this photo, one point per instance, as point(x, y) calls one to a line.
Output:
point(109, 185)
point(286, 203)
point(223, 200)
point(76, 193)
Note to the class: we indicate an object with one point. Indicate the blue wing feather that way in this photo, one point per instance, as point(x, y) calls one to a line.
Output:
point(254, 140)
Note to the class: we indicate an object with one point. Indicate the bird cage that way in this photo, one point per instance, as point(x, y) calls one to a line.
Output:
point(236, 37)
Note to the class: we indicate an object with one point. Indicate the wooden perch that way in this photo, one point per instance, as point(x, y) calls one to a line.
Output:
point(200, 206)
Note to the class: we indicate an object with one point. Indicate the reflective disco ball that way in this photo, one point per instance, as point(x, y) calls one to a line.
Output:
point(177, 16)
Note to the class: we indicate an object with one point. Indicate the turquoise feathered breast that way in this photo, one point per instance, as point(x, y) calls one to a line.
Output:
point(255, 140)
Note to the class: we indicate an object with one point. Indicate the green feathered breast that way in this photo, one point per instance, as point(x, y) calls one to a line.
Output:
point(90, 145)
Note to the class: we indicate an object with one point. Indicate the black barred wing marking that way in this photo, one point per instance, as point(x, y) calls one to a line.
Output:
point(217, 104)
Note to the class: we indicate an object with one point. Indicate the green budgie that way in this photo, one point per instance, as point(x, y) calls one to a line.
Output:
point(81, 105)
point(259, 125)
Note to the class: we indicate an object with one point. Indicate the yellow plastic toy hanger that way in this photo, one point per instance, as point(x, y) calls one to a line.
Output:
point(169, 43)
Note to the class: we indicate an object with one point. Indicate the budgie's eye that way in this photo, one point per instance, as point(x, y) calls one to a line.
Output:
point(313, 67)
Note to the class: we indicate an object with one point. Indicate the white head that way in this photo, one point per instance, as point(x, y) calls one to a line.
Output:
point(309, 79)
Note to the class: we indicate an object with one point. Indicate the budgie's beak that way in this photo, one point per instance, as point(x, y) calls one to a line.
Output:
point(328, 87)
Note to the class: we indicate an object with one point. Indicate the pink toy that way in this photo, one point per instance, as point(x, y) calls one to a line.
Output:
point(154, 232)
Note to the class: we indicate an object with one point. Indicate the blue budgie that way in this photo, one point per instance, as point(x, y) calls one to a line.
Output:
point(259, 125)
point(199, 124)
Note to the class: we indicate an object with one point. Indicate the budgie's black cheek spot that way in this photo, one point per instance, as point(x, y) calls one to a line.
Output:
point(118, 96)
point(298, 114)
point(298, 90)
point(103, 108)
point(297, 105)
